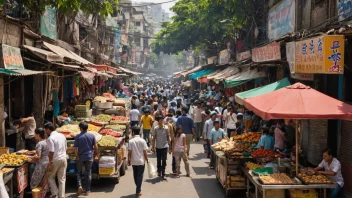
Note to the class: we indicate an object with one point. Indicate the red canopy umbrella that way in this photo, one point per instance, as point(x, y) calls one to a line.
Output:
point(298, 101)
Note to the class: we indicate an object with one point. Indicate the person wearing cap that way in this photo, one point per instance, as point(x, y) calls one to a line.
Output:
point(187, 125)
point(216, 135)
point(266, 141)
point(208, 127)
point(146, 123)
point(160, 145)
point(197, 118)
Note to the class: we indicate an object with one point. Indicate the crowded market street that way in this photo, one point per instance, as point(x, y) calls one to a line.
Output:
point(202, 184)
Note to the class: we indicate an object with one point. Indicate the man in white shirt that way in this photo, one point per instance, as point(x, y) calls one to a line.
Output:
point(332, 169)
point(137, 156)
point(231, 120)
point(197, 118)
point(57, 160)
point(134, 115)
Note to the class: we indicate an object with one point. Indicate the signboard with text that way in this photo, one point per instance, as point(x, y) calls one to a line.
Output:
point(269, 52)
point(243, 55)
point(12, 57)
point(344, 9)
point(224, 57)
point(48, 23)
point(320, 55)
point(290, 55)
point(281, 19)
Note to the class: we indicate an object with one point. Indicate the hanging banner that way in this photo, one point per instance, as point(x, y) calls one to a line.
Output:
point(281, 19)
point(344, 9)
point(290, 55)
point(12, 57)
point(224, 57)
point(48, 23)
point(269, 52)
point(243, 55)
point(320, 55)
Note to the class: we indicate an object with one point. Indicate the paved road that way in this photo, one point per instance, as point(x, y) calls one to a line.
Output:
point(203, 183)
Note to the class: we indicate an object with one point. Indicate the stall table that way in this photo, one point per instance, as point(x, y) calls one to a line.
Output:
point(250, 178)
point(8, 180)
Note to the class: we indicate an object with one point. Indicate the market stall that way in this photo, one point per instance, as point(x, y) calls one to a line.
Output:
point(294, 102)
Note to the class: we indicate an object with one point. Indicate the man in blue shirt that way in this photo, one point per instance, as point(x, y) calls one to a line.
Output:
point(216, 136)
point(266, 142)
point(86, 147)
point(187, 126)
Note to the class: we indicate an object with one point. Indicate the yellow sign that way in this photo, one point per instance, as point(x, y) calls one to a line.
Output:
point(320, 55)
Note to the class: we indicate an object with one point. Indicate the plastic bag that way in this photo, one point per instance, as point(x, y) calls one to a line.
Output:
point(107, 160)
point(151, 170)
point(3, 192)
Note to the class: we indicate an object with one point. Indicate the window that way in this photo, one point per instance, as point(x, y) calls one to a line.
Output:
point(138, 24)
point(137, 41)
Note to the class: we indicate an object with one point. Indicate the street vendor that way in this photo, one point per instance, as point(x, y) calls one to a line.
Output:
point(216, 135)
point(63, 117)
point(332, 169)
point(266, 141)
point(28, 133)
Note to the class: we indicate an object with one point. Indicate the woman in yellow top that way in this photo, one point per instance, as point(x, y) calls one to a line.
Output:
point(146, 123)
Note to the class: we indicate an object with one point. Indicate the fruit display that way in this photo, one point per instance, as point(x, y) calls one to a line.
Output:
point(107, 140)
point(13, 159)
point(119, 108)
point(220, 146)
point(120, 118)
point(253, 166)
point(70, 128)
point(93, 128)
point(248, 137)
point(276, 178)
point(102, 118)
point(110, 132)
point(108, 95)
point(314, 179)
point(264, 153)
point(100, 99)
point(116, 127)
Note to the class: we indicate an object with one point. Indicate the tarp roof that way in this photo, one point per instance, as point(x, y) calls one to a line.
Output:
point(230, 72)
point(201, 73)
point(239, 97)
point(129, 71)
point(243, 77)
point(185, 73)
point(298, 101)
point(44, 54)
point(20, 72)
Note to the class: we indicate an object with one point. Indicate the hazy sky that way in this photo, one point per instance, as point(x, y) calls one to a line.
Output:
point(165, 6)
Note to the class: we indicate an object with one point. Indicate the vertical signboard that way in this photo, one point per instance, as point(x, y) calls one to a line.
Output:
point(323, 54)
point(290, 55)
point(281, 19)
point(344, 9)
point(48, 23)
point(12, 57)
point(224, 57)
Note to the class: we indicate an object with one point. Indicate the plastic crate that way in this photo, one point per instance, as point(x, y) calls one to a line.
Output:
point(106, 171)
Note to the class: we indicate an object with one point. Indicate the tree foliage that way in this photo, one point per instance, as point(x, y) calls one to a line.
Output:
point(197, 23)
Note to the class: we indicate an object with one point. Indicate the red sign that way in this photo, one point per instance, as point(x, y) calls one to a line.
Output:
point(268, 52)
point(22, 178)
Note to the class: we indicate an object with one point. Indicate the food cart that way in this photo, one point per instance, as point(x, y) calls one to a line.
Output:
point(294, 102)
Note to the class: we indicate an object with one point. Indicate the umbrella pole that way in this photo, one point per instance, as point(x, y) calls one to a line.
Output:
point(297, 162)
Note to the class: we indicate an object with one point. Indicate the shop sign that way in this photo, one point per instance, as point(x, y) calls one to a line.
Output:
point(344, 9)
point(22, 178)
point(224, 57)
point(12, 57)
point(290, 55)
point(243, 55)
point(281, 19)
point(320, 55)
point(268, 52)
point(48, 23)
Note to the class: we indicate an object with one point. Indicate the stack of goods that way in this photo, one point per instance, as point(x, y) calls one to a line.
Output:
point(248, 137)
point(101, 119)
point(69, 129)
point(116, 110)
point(276, 178)
point(13, 159)
point(116, 127)
point(314, 179)
point(232, 149)
point(82, 111)
point(253, 166)
point(100, 99)
point(110, 132)
point(119, 120)
point(107, 165)
point(220, 146)
point(119, 102)
point(264, 153)
point(109, 96)
point(108, 140)
point(93, 128)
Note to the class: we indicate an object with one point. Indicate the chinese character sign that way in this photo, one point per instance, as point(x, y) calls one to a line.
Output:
point(12, 57)
point(268, 52)
point(344, 9)
point(48, 23)
point(323, 54)
point(281, 19)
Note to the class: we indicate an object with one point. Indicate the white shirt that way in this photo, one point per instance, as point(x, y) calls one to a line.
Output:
point(335, 166)
point(197, 115)
point(231, 121)
point(58, 145)
point(134, 113)
point(137, 145)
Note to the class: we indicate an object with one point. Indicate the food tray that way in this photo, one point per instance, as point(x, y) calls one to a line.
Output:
point(307, 183)
point(261, 181)
point(100, 124)
point(14, 166)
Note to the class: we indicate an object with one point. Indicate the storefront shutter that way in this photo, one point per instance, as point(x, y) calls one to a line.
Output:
point(346, 154)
